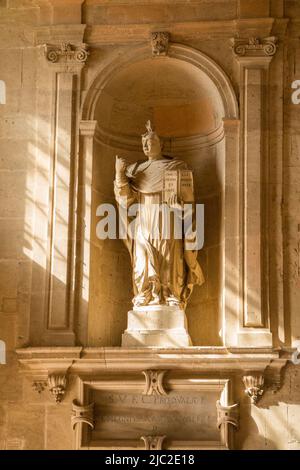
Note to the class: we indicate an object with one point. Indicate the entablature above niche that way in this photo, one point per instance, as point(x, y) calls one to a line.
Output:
point(127, 34)
point(100, 34)
point(259, 368)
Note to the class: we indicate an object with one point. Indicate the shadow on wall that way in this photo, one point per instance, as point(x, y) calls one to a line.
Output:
point(273, 423)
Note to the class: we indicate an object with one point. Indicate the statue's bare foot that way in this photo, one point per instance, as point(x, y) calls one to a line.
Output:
point(140, 301)
point(155, 301)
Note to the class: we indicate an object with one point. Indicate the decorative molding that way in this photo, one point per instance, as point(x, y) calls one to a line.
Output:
point(57, 386)
point(171, 145)
point(14, 444)
point(39, 386)
point(254, 386)
point(88, 128)
point(153, 442)
point(82, 414)
point(154, 382)
point(66, 53)
point(227, 414)
point(254, 46)
point(160, 43)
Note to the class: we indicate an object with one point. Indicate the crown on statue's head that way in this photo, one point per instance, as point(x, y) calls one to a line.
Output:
point(150, 132)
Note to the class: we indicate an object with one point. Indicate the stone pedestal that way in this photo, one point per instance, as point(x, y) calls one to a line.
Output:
point(156, 326)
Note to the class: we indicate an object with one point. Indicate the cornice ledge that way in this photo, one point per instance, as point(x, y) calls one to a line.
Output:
point(73, 33)
point(49, 352)
point(124, 34)
point(262, 26)
point(255, 26)
point(41, 361)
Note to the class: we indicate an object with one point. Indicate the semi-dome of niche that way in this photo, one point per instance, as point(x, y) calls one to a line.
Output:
point(180, 100)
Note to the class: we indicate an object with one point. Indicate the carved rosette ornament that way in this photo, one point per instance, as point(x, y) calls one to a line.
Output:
point(39, 386)
point(254, 386)
point(82, 414)
point(154, 382)
point(160, 43)
point(57, 386)
point(153, 442)
point(227, 414)
point(254, 46)
point(66, 53)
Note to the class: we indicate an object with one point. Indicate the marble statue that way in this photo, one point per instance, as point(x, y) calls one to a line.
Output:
point(164, 271)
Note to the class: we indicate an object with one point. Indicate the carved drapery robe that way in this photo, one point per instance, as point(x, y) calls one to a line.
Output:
point(164, 271)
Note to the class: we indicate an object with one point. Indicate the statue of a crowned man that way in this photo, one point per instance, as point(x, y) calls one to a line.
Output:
point(164, 270)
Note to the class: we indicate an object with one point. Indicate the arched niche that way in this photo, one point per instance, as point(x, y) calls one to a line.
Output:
point(187, 97)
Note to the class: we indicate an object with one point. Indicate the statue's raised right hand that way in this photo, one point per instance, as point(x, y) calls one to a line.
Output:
point(120, 165)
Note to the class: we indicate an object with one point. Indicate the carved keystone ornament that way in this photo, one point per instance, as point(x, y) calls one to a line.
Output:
point(160, 43)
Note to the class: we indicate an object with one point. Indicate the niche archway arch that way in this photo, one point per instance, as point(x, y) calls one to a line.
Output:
point(180, 52)
point(228, 108)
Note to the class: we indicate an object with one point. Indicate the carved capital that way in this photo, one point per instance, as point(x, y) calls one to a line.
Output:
point(66, 53)
point(154, 382)
point(82, 414)
point(254, 47)
point(227, 414)
point(57, 386)
point(160, 43)
point(254, 384)
point(153, 442)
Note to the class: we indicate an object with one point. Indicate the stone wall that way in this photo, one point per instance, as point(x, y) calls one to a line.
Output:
point(32, 420)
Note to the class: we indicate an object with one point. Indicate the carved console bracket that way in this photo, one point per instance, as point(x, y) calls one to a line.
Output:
point(154, 382)
point(254, 384)
point(153, 442)
point(253, 46)
point(268, 379)
point(160, 43)
point(82, 414)
point(66, 53)
point(227, 414)
point(57, 384)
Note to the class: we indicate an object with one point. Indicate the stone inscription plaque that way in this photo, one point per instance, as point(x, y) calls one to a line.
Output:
point(184, 415)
